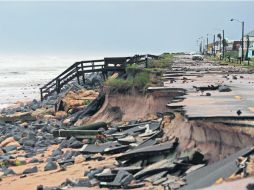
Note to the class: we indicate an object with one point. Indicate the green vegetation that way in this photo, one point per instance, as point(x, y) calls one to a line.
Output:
point(140, 81)
point(134, 69)
point(232, 54)
point(140, 77)
point(119, 83)
point(164, 61)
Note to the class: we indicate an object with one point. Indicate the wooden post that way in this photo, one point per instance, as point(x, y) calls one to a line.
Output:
point(92, 65)
point(146, 62)
point(41, 94)
point(58, 88)
point(77, 73)
point(83, 74)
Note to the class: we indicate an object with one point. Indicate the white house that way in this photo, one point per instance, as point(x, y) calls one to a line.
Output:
point(251, 44)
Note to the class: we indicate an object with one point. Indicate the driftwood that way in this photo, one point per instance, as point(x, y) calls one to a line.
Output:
point(209, 87)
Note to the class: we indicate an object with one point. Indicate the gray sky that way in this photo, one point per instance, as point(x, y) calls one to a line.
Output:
point(116, 27)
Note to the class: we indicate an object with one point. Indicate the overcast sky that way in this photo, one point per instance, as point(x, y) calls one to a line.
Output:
point(116, 27)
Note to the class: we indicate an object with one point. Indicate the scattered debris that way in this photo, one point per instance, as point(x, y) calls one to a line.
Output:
point(224, 88)
point(239, 112)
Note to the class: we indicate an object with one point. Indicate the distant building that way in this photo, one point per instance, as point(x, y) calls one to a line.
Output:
point(236, 45)
point(214, 48)
point(251, 44)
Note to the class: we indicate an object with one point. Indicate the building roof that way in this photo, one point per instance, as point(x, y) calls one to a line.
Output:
point(251, 33)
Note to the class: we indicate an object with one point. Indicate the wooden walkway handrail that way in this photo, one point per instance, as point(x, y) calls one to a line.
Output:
point(78, 69)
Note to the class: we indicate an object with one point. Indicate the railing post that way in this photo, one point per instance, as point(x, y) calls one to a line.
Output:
point(41, 94)
point(146, 61)
point(92, 65)
point(83, 74)
point(76, 66)
point(58, 89)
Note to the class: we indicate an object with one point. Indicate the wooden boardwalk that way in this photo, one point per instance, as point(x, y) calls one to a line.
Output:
point(79, 69)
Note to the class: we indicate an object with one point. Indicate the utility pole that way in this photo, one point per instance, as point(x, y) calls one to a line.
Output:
point(242, 40)
point(242, 56)
point(203, 46)
point(207, 44)
point(223, 43)
point(214, 51)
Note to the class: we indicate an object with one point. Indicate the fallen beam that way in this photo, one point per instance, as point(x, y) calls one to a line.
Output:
point(73, 133)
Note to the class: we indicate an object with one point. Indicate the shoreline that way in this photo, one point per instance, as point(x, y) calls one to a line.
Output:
point(92, 136)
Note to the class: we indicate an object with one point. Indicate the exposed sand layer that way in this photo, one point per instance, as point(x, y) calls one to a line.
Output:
point(132, 106)
point(215, 140)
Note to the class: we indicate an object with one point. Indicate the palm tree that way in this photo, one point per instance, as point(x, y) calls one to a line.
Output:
point(219, 36)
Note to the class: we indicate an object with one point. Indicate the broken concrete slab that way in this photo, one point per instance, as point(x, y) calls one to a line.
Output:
point(116, 149)
point(121, 180)
point(208, 175)
point(194, 168)
point(130, 169)
point(92, 148)
point(149, 150)
point(127, 140)
point(157, 176)
point(106, 175)
point(163, 165)
point(132, 131)
point(192, 156)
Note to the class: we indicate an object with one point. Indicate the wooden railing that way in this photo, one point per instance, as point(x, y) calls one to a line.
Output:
point(79, 69)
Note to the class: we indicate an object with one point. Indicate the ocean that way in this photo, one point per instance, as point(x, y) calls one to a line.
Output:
point(21, 76)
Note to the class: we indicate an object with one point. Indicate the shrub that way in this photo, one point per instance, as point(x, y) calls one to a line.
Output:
point(164, 61)
point(133, 69)
point(120, 83)
point(140, 80)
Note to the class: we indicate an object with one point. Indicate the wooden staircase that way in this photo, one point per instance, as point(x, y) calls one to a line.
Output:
point(79, 69)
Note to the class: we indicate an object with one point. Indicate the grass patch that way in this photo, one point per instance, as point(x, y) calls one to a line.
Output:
point(139, 77)
point(164, 61)
point(119, 83)
point(140, 81)
point(134, 69)
point(234, 63)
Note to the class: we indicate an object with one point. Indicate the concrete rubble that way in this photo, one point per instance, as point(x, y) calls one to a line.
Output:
point(53, 138)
